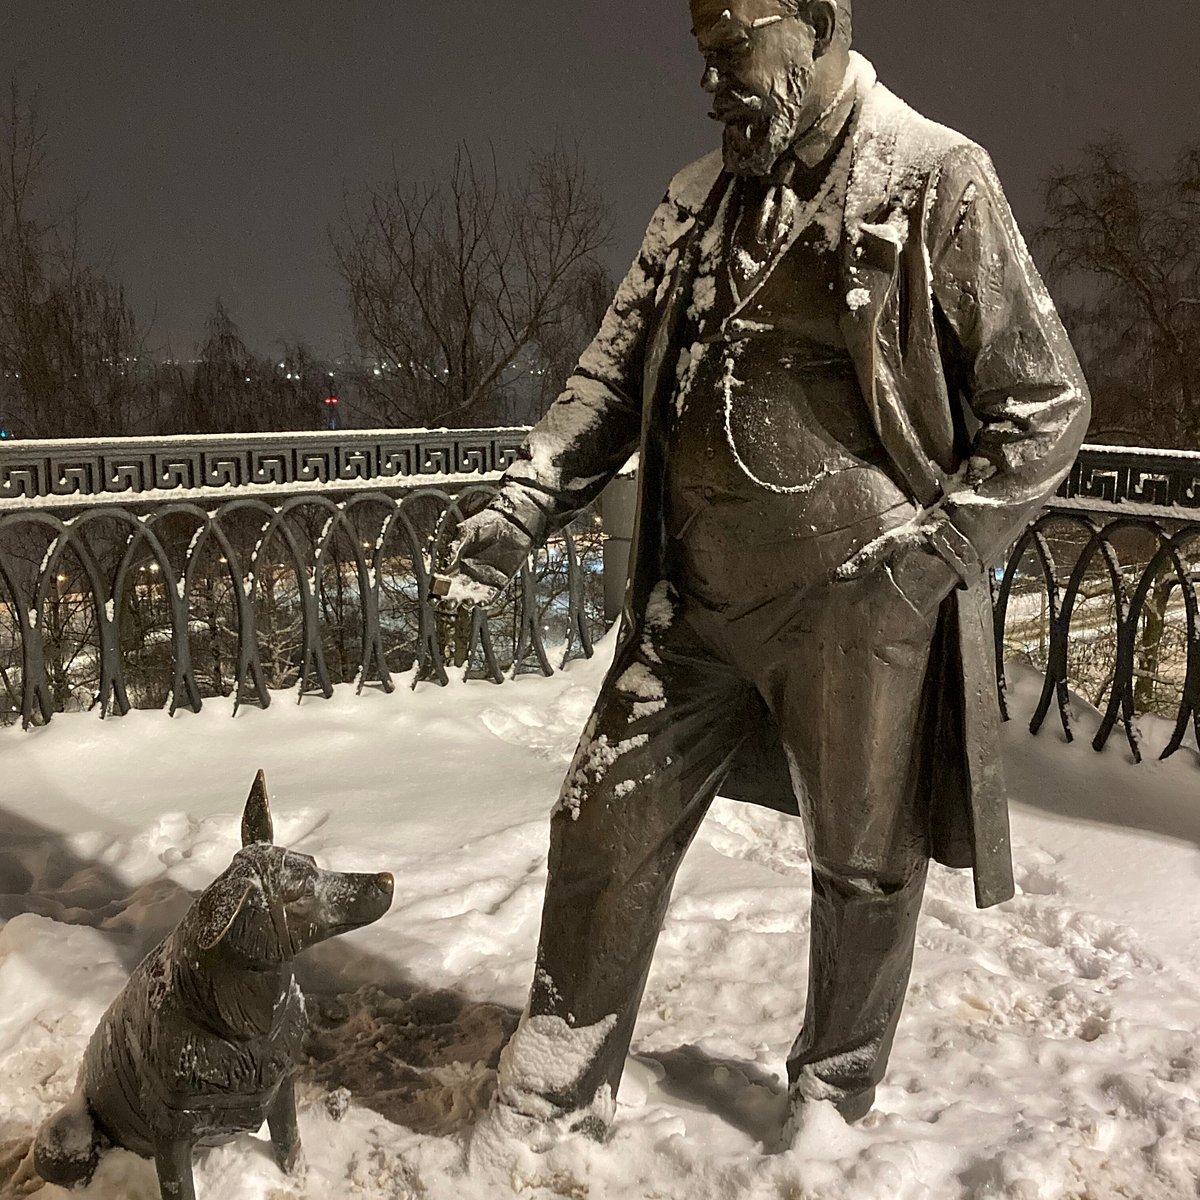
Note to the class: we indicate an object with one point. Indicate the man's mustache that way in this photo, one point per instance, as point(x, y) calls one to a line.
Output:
point(735, 107)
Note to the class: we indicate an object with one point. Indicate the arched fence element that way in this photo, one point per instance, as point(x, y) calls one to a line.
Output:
point(1100, 595)
point(112, 609)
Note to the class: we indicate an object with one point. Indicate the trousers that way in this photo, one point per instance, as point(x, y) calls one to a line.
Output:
point(842, 669)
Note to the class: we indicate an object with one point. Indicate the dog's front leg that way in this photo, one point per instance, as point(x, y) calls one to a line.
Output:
point(174, 1162)
point(285, 1131)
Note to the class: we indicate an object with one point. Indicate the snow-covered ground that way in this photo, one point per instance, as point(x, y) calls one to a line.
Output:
point(1049, 1047)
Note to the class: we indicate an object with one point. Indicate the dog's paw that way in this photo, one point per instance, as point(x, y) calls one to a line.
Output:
point(292, 1162)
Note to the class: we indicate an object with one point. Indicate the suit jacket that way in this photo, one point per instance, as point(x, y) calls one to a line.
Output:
point(971, 384)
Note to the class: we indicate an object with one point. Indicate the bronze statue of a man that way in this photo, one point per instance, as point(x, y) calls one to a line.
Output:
point(850, 391)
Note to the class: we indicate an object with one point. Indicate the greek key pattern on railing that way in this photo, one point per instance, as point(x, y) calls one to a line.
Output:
point(126, 467)
point(1114, 475)
point(87, 602)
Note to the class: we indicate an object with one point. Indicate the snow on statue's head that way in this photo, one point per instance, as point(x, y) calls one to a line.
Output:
point(772, 67)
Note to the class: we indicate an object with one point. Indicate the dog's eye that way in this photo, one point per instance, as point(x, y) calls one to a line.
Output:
point(297, 889)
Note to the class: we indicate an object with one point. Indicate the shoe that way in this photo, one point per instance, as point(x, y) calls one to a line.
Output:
point(851, 1109)
point(855, 1107)
point(502, 1127)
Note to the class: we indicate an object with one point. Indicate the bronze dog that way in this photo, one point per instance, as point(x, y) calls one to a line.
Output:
point(202, 1042)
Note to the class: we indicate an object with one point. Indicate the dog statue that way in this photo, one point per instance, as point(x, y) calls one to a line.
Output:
point(203, 1041)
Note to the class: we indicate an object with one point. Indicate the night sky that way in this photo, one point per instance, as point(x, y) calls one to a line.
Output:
point(211, 140)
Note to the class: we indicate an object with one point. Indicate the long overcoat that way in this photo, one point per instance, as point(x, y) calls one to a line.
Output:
point(971, 383)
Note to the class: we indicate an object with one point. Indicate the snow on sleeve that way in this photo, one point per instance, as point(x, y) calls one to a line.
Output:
point(576, 413)
point(621, 328)
point(624, 322)
point(603, 396)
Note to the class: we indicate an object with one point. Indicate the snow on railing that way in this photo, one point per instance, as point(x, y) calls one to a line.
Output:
point(51, 472)
point(1137, 479)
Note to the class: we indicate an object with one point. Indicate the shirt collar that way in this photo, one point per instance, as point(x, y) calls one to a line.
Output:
point(812, 147)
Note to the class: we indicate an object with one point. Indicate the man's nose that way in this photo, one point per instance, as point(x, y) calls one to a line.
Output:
point(710, 81)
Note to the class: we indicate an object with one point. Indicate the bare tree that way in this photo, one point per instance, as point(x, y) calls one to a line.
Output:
point(224, 384)
point(299, 389)
point(70, 347)
point(233, 390)
point(1123, 251)
point(1124, 245)
point(468, 294)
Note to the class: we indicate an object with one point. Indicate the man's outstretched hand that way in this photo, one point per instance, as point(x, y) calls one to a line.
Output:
point(488, 552)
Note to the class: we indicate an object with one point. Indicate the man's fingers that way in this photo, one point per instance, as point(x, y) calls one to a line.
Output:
point(457, 591)
point(873, 553)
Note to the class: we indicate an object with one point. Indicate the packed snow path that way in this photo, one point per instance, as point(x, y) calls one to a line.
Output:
point(1048, 1049)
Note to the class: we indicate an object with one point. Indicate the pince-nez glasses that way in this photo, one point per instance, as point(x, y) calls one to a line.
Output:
point(732, 37)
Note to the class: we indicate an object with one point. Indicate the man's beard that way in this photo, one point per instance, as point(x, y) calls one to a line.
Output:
point(754, 141)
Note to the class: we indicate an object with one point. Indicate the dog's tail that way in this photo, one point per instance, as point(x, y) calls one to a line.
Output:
point(67, 1147)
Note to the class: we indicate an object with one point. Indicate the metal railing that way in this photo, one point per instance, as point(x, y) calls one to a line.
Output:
point(44, 473)
point(259, 579)
point(1100, 595)
point(163, 602)
point(1158, 483)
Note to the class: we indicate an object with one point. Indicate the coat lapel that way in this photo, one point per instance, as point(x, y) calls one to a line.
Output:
point(870, 256)
point(875, 234)
point(870, 266)
point(667, 326)
point(668, 322)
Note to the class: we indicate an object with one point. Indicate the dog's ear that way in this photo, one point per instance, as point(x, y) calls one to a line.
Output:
point(257, 825)
point(219, 907)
